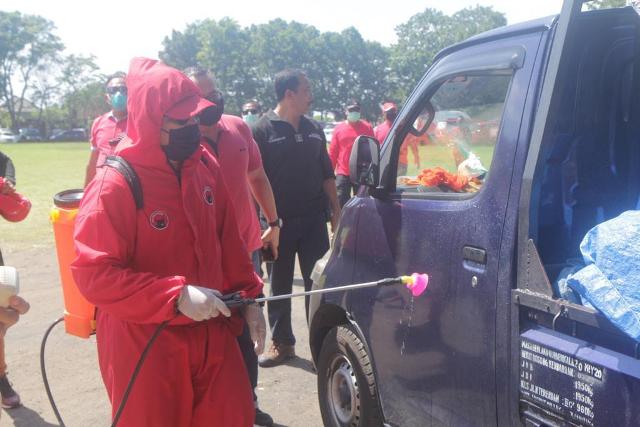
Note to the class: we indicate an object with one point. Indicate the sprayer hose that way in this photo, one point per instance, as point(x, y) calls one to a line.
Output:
point(43, 369)
point(125, 397)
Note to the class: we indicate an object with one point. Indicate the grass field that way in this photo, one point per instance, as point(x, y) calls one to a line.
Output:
point(42, 170)
point(438, 155)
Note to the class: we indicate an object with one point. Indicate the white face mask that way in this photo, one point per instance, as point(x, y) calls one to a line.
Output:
point(250, 118)
point(353, 116)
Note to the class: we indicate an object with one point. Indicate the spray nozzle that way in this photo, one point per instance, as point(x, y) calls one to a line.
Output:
point(416, 283)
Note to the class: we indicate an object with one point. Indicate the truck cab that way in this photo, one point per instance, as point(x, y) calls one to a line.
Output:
point(493, 214)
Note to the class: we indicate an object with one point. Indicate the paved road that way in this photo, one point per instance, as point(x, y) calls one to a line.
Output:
point(287, 392)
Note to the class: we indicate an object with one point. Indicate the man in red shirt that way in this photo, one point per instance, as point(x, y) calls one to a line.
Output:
point(107, 130)
point(167, 261)
point(344, 135)
point(230, 140)
point(389, 111)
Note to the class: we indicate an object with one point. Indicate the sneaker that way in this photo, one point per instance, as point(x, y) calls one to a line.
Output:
point(276, 355)
point(10, 399)
point(263, 419)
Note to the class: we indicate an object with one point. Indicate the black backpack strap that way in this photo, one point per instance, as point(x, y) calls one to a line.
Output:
point(126, 170)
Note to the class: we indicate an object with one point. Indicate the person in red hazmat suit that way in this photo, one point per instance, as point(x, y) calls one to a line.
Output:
point(169, 261)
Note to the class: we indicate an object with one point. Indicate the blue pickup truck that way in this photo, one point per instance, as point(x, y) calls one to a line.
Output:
point(493, 215)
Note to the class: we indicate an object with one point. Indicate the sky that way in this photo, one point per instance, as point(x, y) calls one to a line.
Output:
point(114, 31)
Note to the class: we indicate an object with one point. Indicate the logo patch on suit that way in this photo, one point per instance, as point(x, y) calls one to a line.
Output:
point(207, 193)
point(159, 220)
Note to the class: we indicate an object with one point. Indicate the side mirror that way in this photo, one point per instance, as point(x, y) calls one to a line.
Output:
point(364, 163)
point(422, 122)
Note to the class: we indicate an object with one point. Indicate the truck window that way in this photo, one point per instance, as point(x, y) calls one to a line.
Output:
point(454, 152)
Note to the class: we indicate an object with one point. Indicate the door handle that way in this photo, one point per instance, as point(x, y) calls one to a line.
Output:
point(477, 255)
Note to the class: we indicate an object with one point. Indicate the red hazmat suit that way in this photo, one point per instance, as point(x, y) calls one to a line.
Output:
point(132, 264)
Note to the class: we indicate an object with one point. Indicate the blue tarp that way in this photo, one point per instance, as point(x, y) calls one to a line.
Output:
point(610, 280)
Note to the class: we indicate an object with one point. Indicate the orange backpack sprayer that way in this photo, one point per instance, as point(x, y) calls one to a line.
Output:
point(79, 314)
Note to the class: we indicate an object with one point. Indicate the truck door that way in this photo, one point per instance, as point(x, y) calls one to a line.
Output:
point(435, 356)
point(570, 364)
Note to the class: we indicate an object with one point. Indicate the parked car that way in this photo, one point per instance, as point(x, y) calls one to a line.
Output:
point(491, 342)
point(29, 134)
point(70, 135)
point(6, 135)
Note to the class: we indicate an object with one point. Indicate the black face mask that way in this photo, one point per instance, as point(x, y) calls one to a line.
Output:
point(183, 142)
point(212, 115)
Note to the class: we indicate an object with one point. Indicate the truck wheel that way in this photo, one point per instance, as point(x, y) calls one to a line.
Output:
point(346, 385)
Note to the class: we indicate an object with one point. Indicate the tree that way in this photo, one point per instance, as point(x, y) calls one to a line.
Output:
point(27, 45)
point(224, 46)
point(426, 33)
point(180, 50)
point(604, 4)
point(80, 84)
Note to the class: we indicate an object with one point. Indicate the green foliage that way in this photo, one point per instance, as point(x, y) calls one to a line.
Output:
point(66, 91)
point(39, 86)
point(181, 48)
point(604, 4)
point(426, 33)
point(27, 46)
point(340, 65)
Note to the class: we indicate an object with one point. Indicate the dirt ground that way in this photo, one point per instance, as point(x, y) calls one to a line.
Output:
point(288, 392)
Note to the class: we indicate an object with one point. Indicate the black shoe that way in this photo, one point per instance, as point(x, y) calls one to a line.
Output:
point(10, 399)
point(263, 419)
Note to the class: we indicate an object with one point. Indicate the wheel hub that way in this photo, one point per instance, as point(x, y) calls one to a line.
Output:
point(344, 395)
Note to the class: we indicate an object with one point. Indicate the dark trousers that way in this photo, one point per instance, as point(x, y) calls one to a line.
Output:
point(246, 345)
point(344, 187)
point(308, 237)
point(250, 358)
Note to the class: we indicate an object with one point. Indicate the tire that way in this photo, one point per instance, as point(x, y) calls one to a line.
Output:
point(347, 390)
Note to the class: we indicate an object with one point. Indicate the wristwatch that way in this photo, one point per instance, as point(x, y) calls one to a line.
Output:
point(276, 223)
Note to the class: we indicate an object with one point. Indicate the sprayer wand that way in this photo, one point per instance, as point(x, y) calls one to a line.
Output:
point(416, 283)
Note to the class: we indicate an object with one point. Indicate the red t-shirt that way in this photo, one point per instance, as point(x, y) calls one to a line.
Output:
point(105, 133)
point(344, 135)
point(382, 130)
point(238, 154)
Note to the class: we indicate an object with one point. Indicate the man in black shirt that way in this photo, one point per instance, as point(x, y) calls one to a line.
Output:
point(295, 158)
point(7, 171)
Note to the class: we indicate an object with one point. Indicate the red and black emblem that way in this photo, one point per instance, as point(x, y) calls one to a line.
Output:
point(159, 220)
point(207, 193)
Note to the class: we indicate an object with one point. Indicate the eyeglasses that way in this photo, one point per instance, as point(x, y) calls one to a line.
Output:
point(353, 109)
point(251, 111)
point(112, 90)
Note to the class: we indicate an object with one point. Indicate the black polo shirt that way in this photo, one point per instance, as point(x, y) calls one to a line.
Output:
point(7, 171)
point(296, 163)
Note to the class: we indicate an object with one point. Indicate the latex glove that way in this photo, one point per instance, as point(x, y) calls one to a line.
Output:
point(200, 303)
point(257, 326)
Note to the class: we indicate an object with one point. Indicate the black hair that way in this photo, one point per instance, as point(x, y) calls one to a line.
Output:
point(288, 79)
point(352, 103)
point(116, 75)
point(252, 101)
